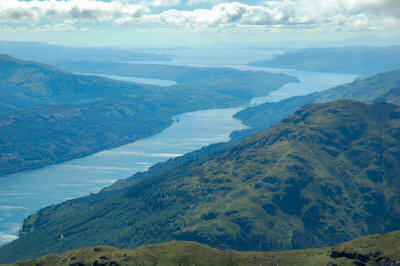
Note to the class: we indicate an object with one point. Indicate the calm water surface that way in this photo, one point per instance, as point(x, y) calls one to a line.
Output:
point(157, 82)
point(309, 82)
point(24, 193)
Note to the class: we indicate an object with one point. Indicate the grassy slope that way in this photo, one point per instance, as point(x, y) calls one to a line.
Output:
point(352, 60)
point(48, 115)
point(370, 250)
point(325, 175)
point(378, 88)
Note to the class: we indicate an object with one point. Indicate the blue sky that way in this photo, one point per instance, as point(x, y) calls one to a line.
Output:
point(189, 22)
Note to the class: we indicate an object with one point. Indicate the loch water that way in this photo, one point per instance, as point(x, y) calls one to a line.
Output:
point(24, 193)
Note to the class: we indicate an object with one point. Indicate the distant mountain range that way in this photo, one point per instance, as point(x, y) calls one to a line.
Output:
point(48, 115)
point(352, 60)
point(327, 174)
point(369, 250)
point(49, 53)
point(245, 84)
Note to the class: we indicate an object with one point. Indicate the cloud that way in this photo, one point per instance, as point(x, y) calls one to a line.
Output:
point(5, 238)
point(307, 14)
point(83, 11)
point(388, 7)
point(7, 207)
point(153, 3)
point(327, 15)
point(57, 27)
point(222, 14)
point(161, 3)
point(199, 2)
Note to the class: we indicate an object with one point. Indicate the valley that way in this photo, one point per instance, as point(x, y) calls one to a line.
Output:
point(72, 116)
point(98, 171)
point(24, 193)
point(216, 200)
point(199, 132)
point(62, 187)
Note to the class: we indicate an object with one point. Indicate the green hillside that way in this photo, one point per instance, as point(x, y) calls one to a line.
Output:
point(352, 59)
point(26, 85)
point(384, 87)
point(370, 250)
point(327, 174)
point(48, 115)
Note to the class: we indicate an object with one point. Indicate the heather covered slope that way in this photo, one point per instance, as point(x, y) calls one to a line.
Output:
point(327, 174)
point(384, 87)
point(369, 250)
point(48, 115)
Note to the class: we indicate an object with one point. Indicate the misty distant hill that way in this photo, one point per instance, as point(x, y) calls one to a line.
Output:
point(352, 60)
point(49, 53)
point(244, 84)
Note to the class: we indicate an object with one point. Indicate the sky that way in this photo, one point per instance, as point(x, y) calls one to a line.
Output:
point(195, 22)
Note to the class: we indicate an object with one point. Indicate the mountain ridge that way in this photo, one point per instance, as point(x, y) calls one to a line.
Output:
point(369, 250)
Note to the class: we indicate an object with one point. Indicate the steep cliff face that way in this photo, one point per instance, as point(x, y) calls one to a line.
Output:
point(327, 174)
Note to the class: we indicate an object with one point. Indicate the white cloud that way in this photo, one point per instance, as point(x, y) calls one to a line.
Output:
point(333, 14)
point(161, 3)
point(198, 2)
point(5, 238)
point(84, 11)
point(327, 15)
point(8, 207)
point(153, 3)
point(57, 27)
